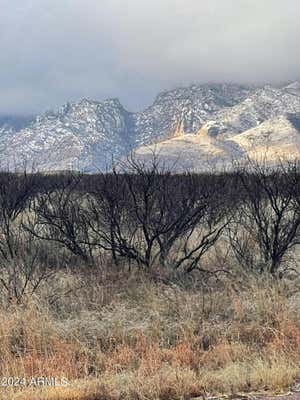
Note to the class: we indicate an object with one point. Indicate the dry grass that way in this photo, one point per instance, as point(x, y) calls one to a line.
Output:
point(117, 336)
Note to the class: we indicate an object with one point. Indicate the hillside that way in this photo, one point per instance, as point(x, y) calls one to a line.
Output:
point(196, 152)
point(90, 135)
point(274, 138)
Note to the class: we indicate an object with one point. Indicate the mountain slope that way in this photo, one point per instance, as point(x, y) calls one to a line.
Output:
point(89, 135)
point(195, 152)
point(192, 106)
point(276, 138)
point(263, 104)
point(83, 136)
point(293, 88)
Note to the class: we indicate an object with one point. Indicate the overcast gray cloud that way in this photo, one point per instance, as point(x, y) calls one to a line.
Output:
point(53, 51)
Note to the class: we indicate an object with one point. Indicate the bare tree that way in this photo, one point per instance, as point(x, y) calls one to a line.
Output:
point(143, 213)
point(268, 217)
point(59, 216)
point(21, 268)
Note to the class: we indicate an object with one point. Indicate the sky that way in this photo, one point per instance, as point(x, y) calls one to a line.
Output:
point(54, 51)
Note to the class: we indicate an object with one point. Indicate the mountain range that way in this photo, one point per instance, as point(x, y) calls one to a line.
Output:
point(192, 127)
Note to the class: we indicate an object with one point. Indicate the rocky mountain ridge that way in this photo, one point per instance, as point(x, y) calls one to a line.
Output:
point(90, 135)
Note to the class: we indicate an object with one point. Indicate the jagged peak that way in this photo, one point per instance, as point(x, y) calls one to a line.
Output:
point(87, 101)
point(180, 92)
point(293, 88)
point(73, 107)
point(202, 114)
point(112, 100)
point(292, 85)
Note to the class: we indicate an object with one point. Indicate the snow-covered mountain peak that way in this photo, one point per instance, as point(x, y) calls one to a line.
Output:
point(88, 134)
point(293, 88)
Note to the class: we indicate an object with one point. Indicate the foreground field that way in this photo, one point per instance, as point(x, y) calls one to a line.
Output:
point(149, 285)
point(118, 335)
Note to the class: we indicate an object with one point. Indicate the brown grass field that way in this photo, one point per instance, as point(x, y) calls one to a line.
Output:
point(150, 286)
point(120, 335)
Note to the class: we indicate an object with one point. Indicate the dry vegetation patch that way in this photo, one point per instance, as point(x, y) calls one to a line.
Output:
point(148, 340)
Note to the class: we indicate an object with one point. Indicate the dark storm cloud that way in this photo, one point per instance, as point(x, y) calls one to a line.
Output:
point(53, 51)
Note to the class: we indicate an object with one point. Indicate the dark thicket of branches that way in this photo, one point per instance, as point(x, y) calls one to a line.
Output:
point(147, 217)
point(268, 215)
point(59, 215)
point(145, 214)
point(18, 251)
